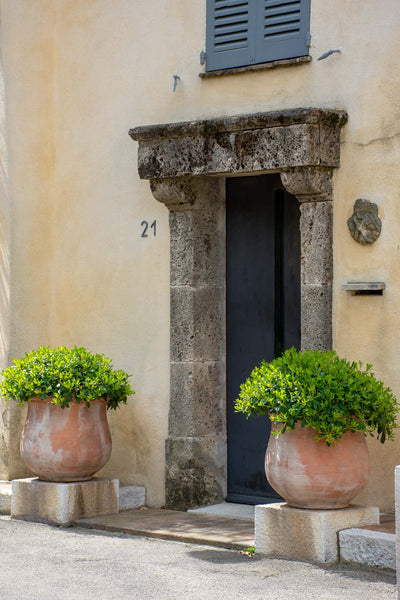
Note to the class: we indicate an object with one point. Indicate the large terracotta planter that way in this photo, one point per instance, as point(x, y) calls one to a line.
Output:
point(65, 444)
point(310, 474)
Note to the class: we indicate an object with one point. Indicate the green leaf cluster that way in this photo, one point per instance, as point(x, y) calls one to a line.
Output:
point(64, 375)
point(320, 390)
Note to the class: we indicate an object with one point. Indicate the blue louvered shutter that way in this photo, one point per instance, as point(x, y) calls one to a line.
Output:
point(229, 41)
point(282, 29)
point(246, 32)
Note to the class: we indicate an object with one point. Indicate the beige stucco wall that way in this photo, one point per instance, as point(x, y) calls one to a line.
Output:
point(78, 75)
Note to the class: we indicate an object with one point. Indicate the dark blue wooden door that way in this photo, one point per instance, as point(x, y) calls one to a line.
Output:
point(262, 311)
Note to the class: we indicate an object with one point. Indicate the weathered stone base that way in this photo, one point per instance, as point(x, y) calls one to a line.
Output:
point(306, 535)
point(369, 548)
point(5, 497)
point(63, 503)
point(131, 497)
point(195, 474)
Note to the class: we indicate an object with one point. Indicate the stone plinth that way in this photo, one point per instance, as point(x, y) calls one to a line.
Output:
point(306, 535)
point(63, 503)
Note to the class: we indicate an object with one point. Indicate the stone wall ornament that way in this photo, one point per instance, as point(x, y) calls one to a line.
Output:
point(364, 224)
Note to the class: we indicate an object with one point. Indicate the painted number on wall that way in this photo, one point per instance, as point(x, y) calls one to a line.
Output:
point(148, 230)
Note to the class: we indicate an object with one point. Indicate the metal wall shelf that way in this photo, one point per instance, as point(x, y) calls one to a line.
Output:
point(364, 288)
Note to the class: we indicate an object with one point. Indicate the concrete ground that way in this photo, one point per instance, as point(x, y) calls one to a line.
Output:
point(39, 562)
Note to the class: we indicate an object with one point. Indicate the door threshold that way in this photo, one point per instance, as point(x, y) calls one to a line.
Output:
point(244, 512)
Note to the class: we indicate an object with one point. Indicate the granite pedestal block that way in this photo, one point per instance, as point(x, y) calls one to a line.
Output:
point(306, 535)
point(63, 503)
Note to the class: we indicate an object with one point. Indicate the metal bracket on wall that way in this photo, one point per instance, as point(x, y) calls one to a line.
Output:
point(364, 288)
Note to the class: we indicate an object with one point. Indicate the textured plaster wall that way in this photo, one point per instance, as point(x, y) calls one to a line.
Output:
point(78, 75)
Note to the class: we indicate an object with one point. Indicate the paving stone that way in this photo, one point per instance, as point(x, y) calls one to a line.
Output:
point(180, 526)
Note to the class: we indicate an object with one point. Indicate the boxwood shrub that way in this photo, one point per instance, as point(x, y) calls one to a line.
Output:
point(64, 375)
point(320, 390)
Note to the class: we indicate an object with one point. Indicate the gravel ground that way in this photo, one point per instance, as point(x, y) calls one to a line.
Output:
point(39, 562)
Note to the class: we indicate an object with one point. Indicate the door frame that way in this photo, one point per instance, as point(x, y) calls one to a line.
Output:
point(187, 164)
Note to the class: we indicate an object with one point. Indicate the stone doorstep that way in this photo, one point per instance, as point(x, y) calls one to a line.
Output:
point(130, 497)
point(192, 528)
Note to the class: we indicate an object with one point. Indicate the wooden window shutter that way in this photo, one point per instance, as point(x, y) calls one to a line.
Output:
point(246, 32)
point(230, 40)
point(282, 29)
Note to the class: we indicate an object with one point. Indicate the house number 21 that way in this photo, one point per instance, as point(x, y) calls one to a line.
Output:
point(145, 229)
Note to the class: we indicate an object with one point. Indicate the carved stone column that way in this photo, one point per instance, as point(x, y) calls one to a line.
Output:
point(313, 188)
point(196, 445)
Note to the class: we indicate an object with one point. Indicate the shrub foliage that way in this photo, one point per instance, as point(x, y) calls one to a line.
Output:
point(64, 375)
point(322, 391)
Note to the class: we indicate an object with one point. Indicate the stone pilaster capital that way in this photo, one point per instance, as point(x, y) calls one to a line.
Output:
point(308, 184)
point(183, 193)
point(175, 192)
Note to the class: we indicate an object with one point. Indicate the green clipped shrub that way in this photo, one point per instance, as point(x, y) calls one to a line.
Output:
point(64, 375)
point(322, 391)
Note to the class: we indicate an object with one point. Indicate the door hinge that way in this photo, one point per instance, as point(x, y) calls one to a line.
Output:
point(203, 57)
point(308, 39)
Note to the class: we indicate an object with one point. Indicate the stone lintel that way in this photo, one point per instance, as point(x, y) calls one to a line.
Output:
point(250, 144)
point(306, 535)
point(262, 120)
point(62, 503)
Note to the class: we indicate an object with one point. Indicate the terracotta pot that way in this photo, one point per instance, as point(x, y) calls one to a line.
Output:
point(65, 444)
point(310, 474)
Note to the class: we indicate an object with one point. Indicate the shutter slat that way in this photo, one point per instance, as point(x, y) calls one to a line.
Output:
point(230, 29)
point(283, 3)
point(236, 22)
point(231, 8)
point(281, 20)
point(278, 12)
point(227, 39)
point(230, 3)
point(278, 32)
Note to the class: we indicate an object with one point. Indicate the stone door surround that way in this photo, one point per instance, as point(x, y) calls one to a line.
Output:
point(187, 164)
